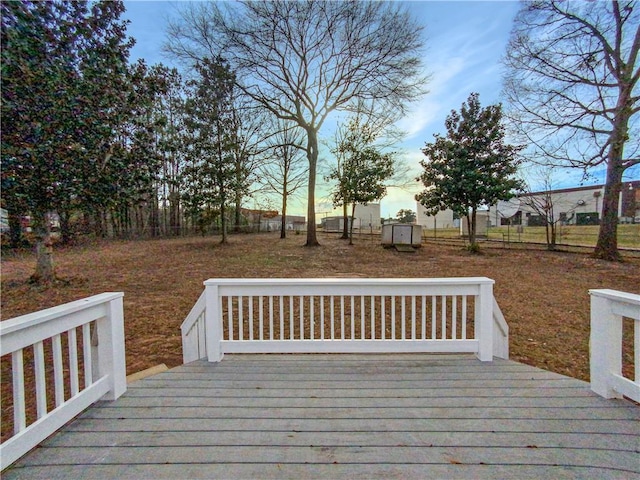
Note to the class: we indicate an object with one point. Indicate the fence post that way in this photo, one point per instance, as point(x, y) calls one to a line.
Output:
point(605, 345)
point(213, 323)
point(483, 323)
point(110, 349)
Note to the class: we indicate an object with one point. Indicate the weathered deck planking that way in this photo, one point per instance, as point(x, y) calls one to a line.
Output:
point(347, 416)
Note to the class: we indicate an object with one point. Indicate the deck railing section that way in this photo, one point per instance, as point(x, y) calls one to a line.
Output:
point(76, 351)
point(193, 332)
point(608, 309)
point(345, 315)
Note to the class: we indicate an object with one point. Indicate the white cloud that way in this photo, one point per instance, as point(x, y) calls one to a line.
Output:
point(429, 109)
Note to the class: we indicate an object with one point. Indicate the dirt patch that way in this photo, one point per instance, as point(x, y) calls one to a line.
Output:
point(543, 295)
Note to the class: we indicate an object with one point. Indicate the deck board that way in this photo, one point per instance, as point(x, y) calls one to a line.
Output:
point(348, 416)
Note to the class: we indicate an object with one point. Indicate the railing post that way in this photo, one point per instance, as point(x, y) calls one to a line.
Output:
point(111, 354)
point(213, 323)
point(483, 324)
point(605, 346)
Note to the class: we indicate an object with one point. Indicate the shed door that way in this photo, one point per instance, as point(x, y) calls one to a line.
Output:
point(401, 235)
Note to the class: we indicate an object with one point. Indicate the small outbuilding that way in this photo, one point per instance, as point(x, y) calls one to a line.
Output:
point(401, 234)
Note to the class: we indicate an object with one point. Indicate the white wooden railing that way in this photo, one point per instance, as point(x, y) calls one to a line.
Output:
point(345, 315)
point(78, 350)
point(608, 308)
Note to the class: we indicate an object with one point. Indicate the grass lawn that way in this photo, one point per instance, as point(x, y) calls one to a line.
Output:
point(543, 295)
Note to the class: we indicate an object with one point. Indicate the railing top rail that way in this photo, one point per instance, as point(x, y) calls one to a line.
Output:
point(499, 319)
point(625, 297)
point(347, 281)
point(195, 311)
point(31, 319)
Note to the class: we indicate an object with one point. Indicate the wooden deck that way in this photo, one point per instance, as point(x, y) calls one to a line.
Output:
point(347, 416)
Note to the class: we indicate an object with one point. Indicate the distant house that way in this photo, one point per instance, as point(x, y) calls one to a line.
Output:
point(572, 206)
point(291, 222)
point(256, 217)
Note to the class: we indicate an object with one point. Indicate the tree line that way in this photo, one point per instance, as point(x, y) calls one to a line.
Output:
point(121, 146)
point(117, 146)
point(570, 86)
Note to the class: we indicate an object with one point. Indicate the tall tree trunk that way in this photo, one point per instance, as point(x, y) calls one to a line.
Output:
point(15, 229)
point(154, 220)
point(312, 156)
point(65, 226)
point(554, 226)
point(471, 223)
point(547, 231)
point(353, 212)
point(283, 223)
point(237, 216)
point(45, 271)
point(345, 221)
point(174, 212)
point(223, 220)
point(607, 245)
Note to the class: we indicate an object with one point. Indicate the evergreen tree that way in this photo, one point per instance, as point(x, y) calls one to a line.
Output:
point(210, 177)
point(64, 86)
point(471, 167)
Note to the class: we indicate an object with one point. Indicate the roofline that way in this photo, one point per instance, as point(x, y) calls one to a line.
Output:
point(634, 183)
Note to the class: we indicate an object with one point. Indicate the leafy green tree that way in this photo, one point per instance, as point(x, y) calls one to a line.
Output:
point(362, 169)
point(472, 166)
point(134, 169)
point(406, 216)
point(64, 83)
point(351, 137)
point(572, 86)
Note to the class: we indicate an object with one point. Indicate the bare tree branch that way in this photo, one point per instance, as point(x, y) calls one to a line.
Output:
point(571, 74)
point(303, 60)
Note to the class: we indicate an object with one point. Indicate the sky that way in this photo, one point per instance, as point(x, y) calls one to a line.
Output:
point(464, 41)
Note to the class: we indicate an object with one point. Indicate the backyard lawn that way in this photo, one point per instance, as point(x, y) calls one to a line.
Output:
point(543, 295)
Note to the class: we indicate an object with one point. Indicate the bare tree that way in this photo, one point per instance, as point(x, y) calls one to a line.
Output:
point(572, 72)
point(285, 173)
point(247, 134)
point(303, 60)
point(544, 204)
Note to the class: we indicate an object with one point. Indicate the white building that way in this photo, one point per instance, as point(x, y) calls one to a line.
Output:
point(366, 217)
point(443, 219)
point(571, 206)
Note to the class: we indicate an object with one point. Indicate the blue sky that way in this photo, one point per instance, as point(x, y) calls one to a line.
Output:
point(464, 43)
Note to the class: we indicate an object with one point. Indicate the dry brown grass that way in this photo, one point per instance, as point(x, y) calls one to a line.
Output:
point(543, 295)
